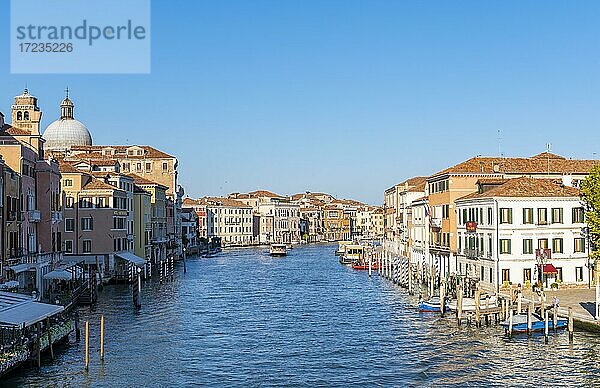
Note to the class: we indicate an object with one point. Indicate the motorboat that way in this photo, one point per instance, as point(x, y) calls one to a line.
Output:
point(519, 324)
point(431, 306)
point(278, 250)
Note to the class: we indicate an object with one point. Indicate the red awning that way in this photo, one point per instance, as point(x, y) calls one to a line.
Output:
point(550, 269)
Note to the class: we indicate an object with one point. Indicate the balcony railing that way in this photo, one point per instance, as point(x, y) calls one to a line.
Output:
point(34, 215)
point(474, 253)
point(57, 217)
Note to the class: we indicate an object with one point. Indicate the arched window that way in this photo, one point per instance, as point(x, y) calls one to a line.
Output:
point(26, 116)
point(19, 115)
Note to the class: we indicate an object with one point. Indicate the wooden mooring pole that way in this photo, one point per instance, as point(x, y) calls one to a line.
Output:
point(87, 345)
point(102, 338)
point(570, 327)
point(38, 344)
point(529, 317)
point(370, 266)
point(48, 327)
point(510, 323)
point(477, 306)
point(442, 299)
point(546, 326)
point(554, 317)
point(459, 299)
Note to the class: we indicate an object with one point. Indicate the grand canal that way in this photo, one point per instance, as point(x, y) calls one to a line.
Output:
point(243, 318)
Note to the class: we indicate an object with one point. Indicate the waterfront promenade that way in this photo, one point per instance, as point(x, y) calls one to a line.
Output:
point(242, 318)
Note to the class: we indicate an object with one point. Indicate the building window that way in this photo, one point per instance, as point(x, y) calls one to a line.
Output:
point(87, 246)
point(68, 183)
point(490, 216)
point(506, 216)
point(446, 211)
point(148, 166)
point(578, 215)
point(69, 224)
point(527, 275)
point(557, 216)
point(542, 216)
point(527, 246)
point(579, 245)
point(557, 245)
point(543, 243)
point(126, 167)
point(505, 246)
point(559, 274)
point(579, 274)
point(528, 216)
point(26, 116)
point(87, 224)
point(69, 202)
point(85, 203)
point(101, 202)
point(482, 273)
point(68, 246)
point(19, 115)
point(165, 166)
point(506, 275)
point(138, 166)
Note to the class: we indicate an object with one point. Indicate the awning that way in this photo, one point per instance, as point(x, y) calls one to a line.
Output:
point(130, 257)
point(19, 268)
point(550, 269)
point(18, 310)
point(58, 274)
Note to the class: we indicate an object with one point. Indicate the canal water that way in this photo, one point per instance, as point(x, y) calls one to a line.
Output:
point(242, 318)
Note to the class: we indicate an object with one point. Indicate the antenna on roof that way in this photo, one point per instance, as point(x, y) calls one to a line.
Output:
point(548, 148)
point(500, 143)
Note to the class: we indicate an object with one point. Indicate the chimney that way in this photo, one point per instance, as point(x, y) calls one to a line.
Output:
point(567, 180)
point(496, 167)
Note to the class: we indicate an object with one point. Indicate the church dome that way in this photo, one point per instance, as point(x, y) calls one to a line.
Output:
point(66, 131)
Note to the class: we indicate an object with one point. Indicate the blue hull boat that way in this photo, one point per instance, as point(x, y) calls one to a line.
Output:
point(537, 324)
point(431, 306)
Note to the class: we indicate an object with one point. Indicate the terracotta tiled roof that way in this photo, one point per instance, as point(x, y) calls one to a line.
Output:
point(221, 201)
point(541, 163)
point(309, 209)
point(65, 167)
point(13, 131)
point(138, 180)
point(98, 184)
point(151, 152)
point(264, 193)
point(492, 181)
point(526, 187)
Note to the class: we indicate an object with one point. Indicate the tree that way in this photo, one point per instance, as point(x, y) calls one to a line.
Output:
point(590, 189)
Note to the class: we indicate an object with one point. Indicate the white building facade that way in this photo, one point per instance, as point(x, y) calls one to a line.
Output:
point(523, 231)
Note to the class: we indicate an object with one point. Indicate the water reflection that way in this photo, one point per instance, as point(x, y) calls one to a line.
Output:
point(244, 318)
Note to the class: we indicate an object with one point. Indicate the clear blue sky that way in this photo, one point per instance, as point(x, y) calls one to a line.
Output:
point(347, 97)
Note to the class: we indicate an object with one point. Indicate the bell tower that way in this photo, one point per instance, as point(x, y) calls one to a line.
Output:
point(66, 108)
point(26, 113)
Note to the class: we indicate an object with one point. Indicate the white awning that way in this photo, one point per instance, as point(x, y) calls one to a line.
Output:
point(128, 256)
point(17, 309)
point(20, 268)
point(58, 274)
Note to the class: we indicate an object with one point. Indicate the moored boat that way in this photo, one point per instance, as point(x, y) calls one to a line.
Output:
point(365, 266)
point(431, 306)
point(342, 247)
point(519, 324)
point(278, 250)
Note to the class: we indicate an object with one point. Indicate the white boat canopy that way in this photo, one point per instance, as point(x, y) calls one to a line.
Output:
point(130, 257)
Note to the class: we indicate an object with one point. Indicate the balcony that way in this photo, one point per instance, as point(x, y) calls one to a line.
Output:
point(56, 217)
point(436, 222)
point(34, 215)
point(474, 253)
